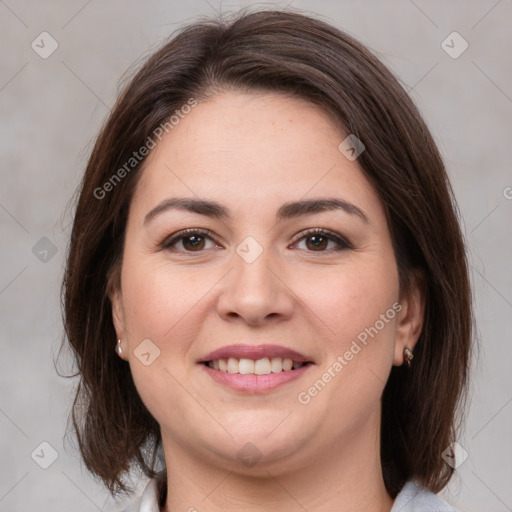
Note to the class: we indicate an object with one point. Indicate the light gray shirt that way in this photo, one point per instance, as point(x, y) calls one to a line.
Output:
point(412, 498)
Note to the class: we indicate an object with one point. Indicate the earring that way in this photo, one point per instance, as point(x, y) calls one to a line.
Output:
point(408, 356)
point(119, 348)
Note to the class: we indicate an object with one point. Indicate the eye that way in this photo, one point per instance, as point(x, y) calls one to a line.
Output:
point(191, 240)
point(322, 240)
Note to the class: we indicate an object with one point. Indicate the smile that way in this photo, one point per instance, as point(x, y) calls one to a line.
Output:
point(255, 368)
point(264, 366)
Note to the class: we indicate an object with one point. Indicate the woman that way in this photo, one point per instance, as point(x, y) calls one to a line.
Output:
point(267, 280)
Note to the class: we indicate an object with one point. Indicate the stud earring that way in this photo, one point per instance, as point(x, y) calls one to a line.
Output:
point(119, 348)
point(408, 356)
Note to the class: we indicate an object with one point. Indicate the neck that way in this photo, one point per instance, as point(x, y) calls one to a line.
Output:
point(347, 478)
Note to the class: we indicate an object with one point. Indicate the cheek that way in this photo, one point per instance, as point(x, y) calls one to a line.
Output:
point(359, 304)
point(158, 298)
point(351, 298)
point(162, 304)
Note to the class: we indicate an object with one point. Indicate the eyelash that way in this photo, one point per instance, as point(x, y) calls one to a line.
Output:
point(343, 244)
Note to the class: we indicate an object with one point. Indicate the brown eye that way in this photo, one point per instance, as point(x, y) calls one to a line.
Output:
point(317, 242)
point(190, 240)
point(322, 240)
point(193, 242)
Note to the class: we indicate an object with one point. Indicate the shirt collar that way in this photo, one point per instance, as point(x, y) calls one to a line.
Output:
point(412, 498)
point(148, 501)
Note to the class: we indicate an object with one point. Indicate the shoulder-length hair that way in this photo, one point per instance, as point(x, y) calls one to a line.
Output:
point(294, 54)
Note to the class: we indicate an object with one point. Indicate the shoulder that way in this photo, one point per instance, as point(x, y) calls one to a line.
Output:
point(414, 498)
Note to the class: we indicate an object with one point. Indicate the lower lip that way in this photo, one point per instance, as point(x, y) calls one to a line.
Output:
point(255, 383)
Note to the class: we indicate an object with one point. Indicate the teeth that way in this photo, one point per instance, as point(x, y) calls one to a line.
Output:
point(232, 365)
point(245, 366)
point(287, 365)
point(276, 364)
point(263, 366)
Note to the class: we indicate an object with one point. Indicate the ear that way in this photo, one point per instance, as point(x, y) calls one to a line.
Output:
point(410, 318)
point(116, 299)
point(118, 318)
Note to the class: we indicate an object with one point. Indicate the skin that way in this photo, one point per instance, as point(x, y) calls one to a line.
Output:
point(252, 153)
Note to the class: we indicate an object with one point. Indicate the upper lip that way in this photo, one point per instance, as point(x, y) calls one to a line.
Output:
point(255, 352)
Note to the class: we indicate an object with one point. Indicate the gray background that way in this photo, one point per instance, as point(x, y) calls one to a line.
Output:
point(51, 110)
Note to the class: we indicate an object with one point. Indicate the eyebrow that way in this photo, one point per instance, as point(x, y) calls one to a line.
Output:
point(286, 211)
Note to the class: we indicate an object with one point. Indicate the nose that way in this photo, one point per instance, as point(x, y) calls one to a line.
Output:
point(255, 292)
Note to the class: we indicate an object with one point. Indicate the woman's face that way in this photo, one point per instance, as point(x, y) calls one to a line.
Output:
point(252, 286)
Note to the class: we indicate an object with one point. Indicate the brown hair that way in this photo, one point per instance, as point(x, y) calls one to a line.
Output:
point(286, 52)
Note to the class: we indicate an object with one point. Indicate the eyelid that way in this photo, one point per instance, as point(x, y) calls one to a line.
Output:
point(175, 237)
point(343, 243)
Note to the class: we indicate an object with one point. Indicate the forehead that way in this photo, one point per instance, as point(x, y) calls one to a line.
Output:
point(252, 149)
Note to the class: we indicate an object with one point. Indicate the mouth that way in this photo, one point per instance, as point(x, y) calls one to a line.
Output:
point(255, 368)
point(263, 366)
